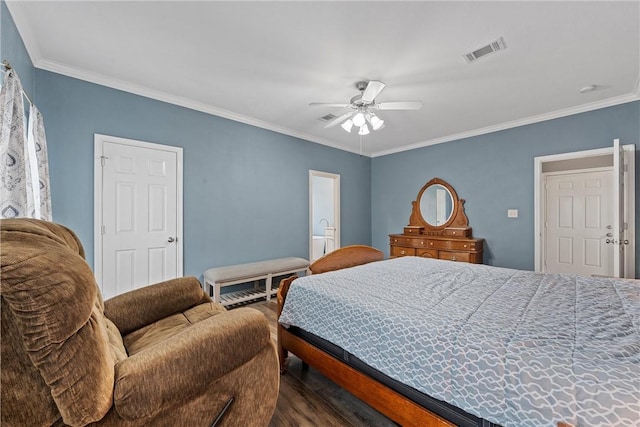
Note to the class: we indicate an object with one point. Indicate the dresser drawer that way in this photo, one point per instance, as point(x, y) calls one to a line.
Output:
point(412, 242)
point(402, 251)
point(455, 244)
point(427, 253)
point(457, 232)
point(455, 256)
point(413, 230)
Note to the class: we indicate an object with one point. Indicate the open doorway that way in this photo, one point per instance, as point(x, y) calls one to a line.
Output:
point(324, 213)
point(584, 216)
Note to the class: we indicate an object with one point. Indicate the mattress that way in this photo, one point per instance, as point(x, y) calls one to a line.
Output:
point(449, 412)
point(513, 347)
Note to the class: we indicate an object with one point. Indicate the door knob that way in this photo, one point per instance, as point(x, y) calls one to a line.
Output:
point(609, 234)
point(171, 239)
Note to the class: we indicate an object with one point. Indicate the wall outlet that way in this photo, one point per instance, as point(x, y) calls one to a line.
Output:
point(512, 213)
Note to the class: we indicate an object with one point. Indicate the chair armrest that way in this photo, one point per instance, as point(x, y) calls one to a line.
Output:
point(188, 362)
point(140, 307)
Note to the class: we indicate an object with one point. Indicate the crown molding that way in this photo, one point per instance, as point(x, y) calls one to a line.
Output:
point(136, 89)
point(209, 109)
point(107, 81)
point(610, 102)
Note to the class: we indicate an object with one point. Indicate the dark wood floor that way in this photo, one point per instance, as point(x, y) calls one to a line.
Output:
point(307, 398)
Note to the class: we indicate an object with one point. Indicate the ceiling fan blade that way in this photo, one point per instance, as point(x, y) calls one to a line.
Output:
point(339, 119)
point(327, 104)
point(374, 87)
point(400, 105)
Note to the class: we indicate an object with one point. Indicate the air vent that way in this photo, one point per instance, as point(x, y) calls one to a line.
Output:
point(327, 118)
point(485, 50)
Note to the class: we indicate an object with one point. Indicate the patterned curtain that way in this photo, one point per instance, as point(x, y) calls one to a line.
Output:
point(24, 171)
point(37, 143)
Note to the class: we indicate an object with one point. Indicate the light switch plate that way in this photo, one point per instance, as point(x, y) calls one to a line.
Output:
point(512, 213)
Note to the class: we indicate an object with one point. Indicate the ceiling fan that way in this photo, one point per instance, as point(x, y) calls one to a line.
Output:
point(361, 106)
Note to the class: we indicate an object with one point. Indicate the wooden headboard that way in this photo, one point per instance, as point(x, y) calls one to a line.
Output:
point(348, 256)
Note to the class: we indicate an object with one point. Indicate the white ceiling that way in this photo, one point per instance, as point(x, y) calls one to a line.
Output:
point(263, 62)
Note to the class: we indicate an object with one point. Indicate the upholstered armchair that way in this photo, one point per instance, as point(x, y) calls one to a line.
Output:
point(163, 355)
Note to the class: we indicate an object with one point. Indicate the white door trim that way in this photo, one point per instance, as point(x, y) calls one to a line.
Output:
point(539, 207)
point(336, 207)
point(98, 141)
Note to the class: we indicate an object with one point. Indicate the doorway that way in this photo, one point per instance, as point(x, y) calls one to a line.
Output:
point(137, 213)
point(585, 212)
point(324, 213)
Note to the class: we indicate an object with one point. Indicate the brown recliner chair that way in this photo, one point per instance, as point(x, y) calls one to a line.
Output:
point(164, 355)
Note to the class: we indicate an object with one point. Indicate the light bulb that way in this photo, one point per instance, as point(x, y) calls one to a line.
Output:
point(347, 125)
point(364, 130)
point(358, 119)
point(376, 122)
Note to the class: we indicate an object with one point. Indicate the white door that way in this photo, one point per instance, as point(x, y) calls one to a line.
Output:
point(139, 214)
point(579, 223)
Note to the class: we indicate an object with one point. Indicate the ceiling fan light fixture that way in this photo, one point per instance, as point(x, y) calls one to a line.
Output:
point(376, 122)
point(359, 119)
point(360, 114)
point(347, 125)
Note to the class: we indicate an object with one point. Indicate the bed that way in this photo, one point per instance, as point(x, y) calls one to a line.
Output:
point(439, 343)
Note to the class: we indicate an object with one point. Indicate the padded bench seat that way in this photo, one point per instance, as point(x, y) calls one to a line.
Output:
point(218, 277)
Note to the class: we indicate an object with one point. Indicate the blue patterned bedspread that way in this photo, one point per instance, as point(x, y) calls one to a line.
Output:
point(513, 347)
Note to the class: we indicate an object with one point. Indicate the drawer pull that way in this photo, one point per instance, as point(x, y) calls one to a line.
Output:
point(431, 243)
point(422, 243)
point(402, 252)
point(395, 240)
point(464, 246)
point(454, 258)
point(454, 233)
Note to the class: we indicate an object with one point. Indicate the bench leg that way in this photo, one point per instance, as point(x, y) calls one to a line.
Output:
point(208, 289)
point(267, 286)
point(216, 292)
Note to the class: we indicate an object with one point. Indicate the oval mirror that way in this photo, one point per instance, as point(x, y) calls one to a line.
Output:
point(436, 205)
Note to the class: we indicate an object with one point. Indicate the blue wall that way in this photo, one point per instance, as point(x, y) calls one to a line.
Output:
point(494, 172)
point(246, 189)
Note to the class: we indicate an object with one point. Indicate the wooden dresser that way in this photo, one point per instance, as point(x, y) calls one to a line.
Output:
point(438, 227)
point(440, 247)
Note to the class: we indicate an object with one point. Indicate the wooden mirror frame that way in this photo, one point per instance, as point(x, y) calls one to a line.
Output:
point(458, 219)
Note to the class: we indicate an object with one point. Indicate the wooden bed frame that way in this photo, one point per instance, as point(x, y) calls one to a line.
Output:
point(384, 399)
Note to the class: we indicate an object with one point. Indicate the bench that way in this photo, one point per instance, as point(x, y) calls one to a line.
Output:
point(219, 277)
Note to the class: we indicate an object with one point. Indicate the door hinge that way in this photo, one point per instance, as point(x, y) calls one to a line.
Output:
point(103, 229)
point(102, 160)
